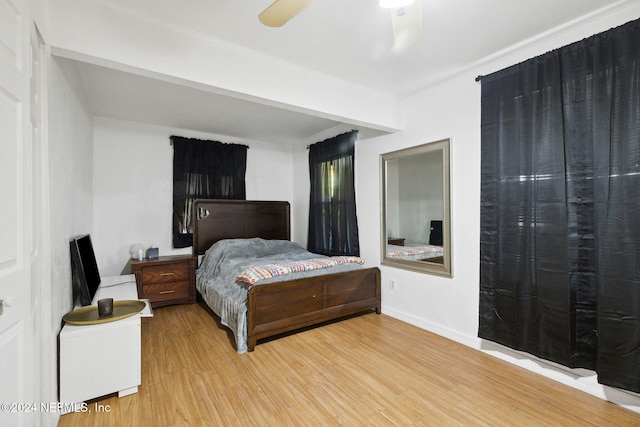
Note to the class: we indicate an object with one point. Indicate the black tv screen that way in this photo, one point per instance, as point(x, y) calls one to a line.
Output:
point(84, 270)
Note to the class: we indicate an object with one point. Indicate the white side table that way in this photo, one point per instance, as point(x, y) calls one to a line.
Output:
point(97, 360)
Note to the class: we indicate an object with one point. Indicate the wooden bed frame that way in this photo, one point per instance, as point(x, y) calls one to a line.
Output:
point(282, 307)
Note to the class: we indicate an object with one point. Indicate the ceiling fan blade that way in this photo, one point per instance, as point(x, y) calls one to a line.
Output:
point(281, 11)
point(407, 25)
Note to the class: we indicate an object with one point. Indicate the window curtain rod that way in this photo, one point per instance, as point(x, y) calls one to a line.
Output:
point(553, 51)
point(344, 133)
point(206, 140)
point(230, 143)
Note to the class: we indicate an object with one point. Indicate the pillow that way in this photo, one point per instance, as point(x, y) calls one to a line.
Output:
point(254, 274)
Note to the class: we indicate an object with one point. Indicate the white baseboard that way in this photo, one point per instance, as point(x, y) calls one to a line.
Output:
point(580, 379)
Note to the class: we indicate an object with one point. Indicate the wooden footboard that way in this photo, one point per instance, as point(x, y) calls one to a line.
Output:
point(285, 306)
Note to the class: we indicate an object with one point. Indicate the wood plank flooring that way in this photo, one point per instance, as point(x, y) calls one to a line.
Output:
point(370, 370)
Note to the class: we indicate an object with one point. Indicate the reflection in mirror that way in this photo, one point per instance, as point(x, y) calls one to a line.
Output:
point(416, 224)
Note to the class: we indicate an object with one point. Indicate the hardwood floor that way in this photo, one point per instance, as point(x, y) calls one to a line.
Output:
point(369, 370)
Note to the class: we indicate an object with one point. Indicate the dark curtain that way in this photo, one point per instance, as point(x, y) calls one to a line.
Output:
point(333, 225)
point(560, 206)
point(203, 170)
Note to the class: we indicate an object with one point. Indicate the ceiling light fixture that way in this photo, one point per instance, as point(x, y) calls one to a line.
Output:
point(392, 4)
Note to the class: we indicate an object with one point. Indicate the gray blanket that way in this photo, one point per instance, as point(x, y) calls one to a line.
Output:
point(224, 260)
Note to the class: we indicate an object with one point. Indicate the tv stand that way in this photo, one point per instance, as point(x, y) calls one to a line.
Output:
point(97, 360)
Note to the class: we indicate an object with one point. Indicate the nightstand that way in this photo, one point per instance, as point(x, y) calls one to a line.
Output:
point(167, 279)
point(398, 241)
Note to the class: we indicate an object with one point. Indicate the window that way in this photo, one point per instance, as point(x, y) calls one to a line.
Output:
point(560, 206)
point(333, 225)
point(203, 170)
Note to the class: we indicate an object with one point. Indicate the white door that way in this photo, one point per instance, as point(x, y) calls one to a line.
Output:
point(17, 390)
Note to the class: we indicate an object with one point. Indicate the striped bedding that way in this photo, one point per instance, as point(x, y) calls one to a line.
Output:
point(254, 274)
point(414, 252)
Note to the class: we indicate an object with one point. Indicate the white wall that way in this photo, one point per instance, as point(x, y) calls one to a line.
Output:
point(451, 109)
point(70, 147)
point(301, 186)
point(132, 187)
point(421, 197)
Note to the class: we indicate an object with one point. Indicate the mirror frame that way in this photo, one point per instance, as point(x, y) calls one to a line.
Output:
point(444, 269)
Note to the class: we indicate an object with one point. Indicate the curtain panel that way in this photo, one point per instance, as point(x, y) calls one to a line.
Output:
point(203, 169)
point(560, 206)
point(333, 224)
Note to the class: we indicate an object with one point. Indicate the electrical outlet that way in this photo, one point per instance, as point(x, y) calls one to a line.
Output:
point(392, 285)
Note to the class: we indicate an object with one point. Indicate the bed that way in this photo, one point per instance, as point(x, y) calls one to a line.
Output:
point(429, 253)
point(225, 231)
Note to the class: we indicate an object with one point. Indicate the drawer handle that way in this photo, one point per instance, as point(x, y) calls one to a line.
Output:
point(167, 274)
point(166, 292)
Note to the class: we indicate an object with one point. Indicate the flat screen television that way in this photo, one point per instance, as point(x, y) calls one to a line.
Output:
point(84, 270)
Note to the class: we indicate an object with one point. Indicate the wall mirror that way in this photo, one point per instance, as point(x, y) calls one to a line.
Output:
point(416, 218)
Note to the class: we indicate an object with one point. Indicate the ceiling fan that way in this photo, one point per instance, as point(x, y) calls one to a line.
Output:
point(406, 18)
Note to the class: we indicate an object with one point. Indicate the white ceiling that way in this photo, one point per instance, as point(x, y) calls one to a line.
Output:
point(347, 39)
point(131, 97)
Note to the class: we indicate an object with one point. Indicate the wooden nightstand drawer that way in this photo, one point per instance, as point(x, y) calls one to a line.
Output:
point(167, 279)
point(166, 291)
point(165, 273)
point(398, 241)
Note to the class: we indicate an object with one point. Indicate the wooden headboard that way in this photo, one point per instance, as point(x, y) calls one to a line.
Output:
point(238, 219)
